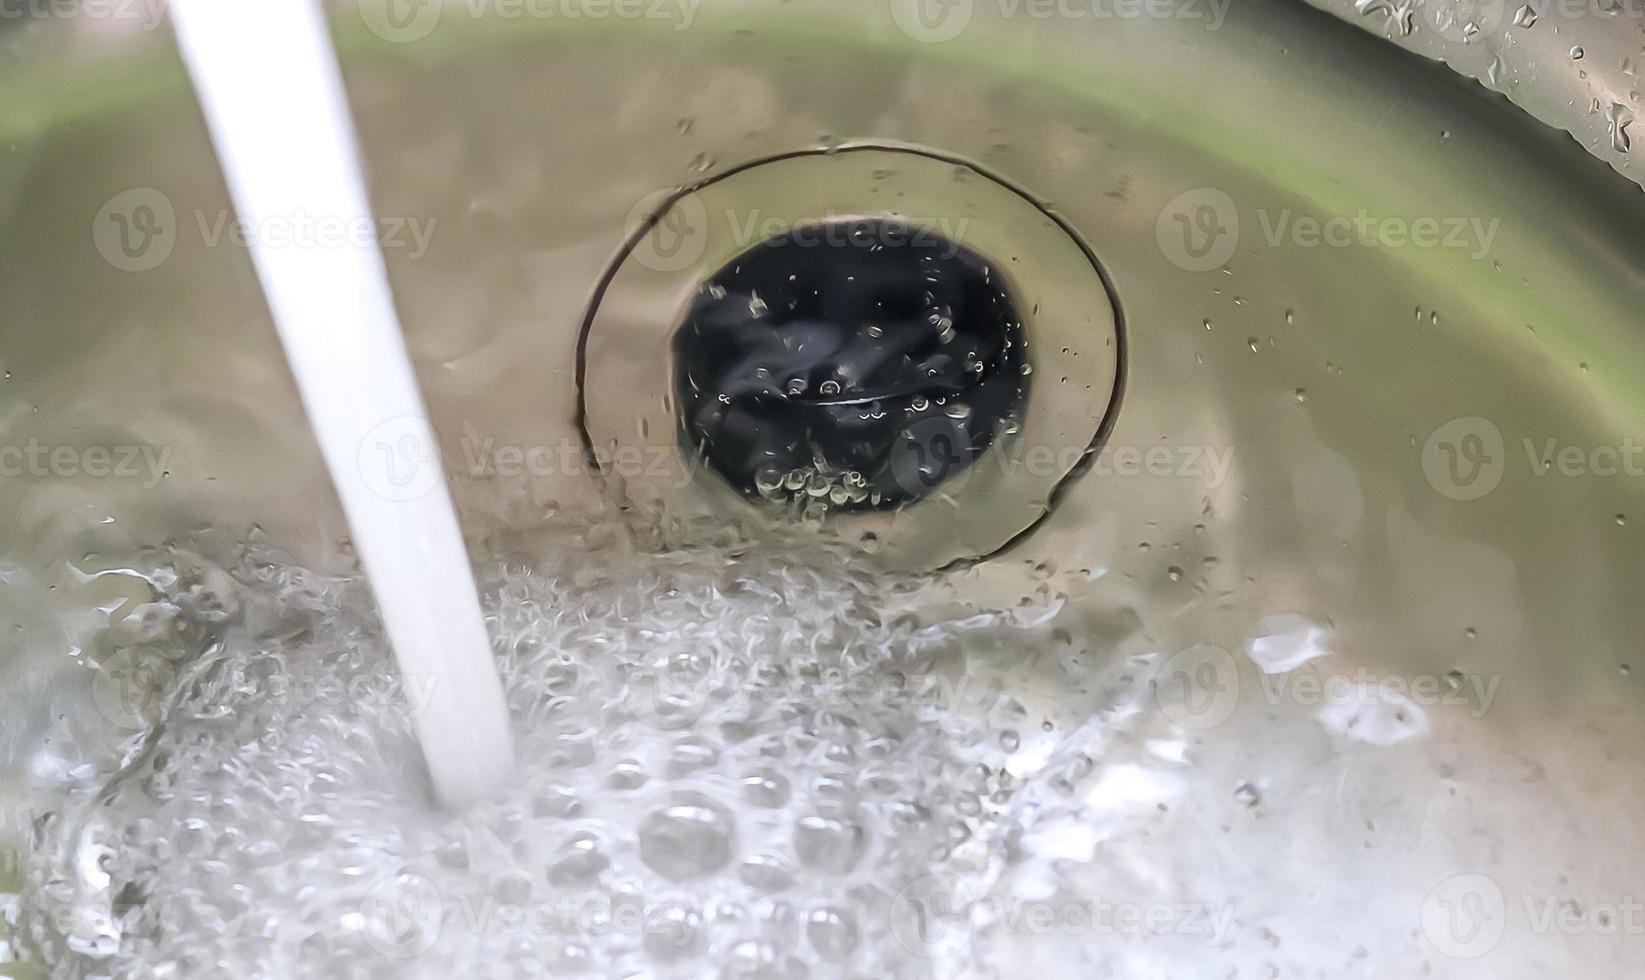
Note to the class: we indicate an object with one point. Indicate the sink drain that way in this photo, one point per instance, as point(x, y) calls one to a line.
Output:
point(858, 364)
point(892, 337)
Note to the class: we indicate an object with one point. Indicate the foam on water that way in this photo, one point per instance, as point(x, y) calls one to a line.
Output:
point(739, 758)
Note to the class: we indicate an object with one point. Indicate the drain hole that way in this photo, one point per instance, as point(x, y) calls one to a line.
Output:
point(857, 364)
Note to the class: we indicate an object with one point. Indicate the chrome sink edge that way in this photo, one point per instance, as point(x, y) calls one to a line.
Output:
point(1571, 64)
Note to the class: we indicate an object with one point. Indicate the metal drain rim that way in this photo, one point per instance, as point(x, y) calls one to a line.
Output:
point(922, 534)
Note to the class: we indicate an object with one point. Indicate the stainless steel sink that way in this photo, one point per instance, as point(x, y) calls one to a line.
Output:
point(1375, 368)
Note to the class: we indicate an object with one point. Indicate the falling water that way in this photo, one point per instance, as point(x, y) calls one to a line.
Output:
point(269, 83)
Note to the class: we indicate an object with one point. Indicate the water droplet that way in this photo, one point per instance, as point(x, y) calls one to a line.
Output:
point(579, 860)
point(829, 844)
point(765, 873)
point(686, 840)
point(766, 788)
point(832, 932)
point(1617, 120)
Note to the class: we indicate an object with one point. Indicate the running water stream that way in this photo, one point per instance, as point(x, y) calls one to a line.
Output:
point(269, 83)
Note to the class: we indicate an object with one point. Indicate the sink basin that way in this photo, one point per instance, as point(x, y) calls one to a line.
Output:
point(1353, 504)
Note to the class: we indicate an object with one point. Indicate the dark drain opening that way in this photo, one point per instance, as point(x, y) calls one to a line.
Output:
point(859, 364)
